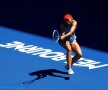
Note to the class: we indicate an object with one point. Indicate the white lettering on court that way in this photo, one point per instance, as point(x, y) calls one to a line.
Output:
point(48, 53)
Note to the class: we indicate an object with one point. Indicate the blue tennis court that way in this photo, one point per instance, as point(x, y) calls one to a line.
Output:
point(33, 62)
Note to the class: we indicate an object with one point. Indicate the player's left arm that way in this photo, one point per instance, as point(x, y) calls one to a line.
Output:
point(72, 29)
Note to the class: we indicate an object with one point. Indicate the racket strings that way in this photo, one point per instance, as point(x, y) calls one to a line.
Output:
point(56, 35)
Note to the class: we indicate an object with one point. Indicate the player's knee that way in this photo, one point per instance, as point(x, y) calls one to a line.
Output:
point(79, 54)
point(69, 50)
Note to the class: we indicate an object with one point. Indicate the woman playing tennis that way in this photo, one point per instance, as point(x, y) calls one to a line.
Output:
point(68, 41)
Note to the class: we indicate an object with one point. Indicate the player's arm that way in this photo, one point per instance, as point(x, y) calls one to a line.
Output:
point(72, 29)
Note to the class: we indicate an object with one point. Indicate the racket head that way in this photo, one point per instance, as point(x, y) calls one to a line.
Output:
point(56, 35)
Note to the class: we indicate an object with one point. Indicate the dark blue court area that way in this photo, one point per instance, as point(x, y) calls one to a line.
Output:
point(32, 62)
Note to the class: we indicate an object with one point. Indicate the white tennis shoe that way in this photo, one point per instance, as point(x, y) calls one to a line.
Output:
point(70, 71)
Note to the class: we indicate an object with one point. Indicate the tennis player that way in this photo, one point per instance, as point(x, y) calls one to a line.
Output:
point(68, 41)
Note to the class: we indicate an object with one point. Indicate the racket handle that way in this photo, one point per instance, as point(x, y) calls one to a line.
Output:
point(57, 39)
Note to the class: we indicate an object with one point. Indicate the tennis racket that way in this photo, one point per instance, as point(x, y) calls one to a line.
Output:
point(56, 35)
point(57, 38)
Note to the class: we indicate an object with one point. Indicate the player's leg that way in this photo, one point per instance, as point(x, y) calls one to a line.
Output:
point(66, 45)
point(69, 57)
point(68, 54)
point(78, 52)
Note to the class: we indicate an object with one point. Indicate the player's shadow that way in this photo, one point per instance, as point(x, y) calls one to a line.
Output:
point(48, 72)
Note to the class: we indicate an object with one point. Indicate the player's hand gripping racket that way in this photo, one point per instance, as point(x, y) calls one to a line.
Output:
point(56, 35)
point(57, 38)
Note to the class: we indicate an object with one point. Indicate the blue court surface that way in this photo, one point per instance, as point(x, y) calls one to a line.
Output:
point(32, 62)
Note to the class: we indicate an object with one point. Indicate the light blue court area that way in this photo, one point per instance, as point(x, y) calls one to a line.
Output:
point(32, 62)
